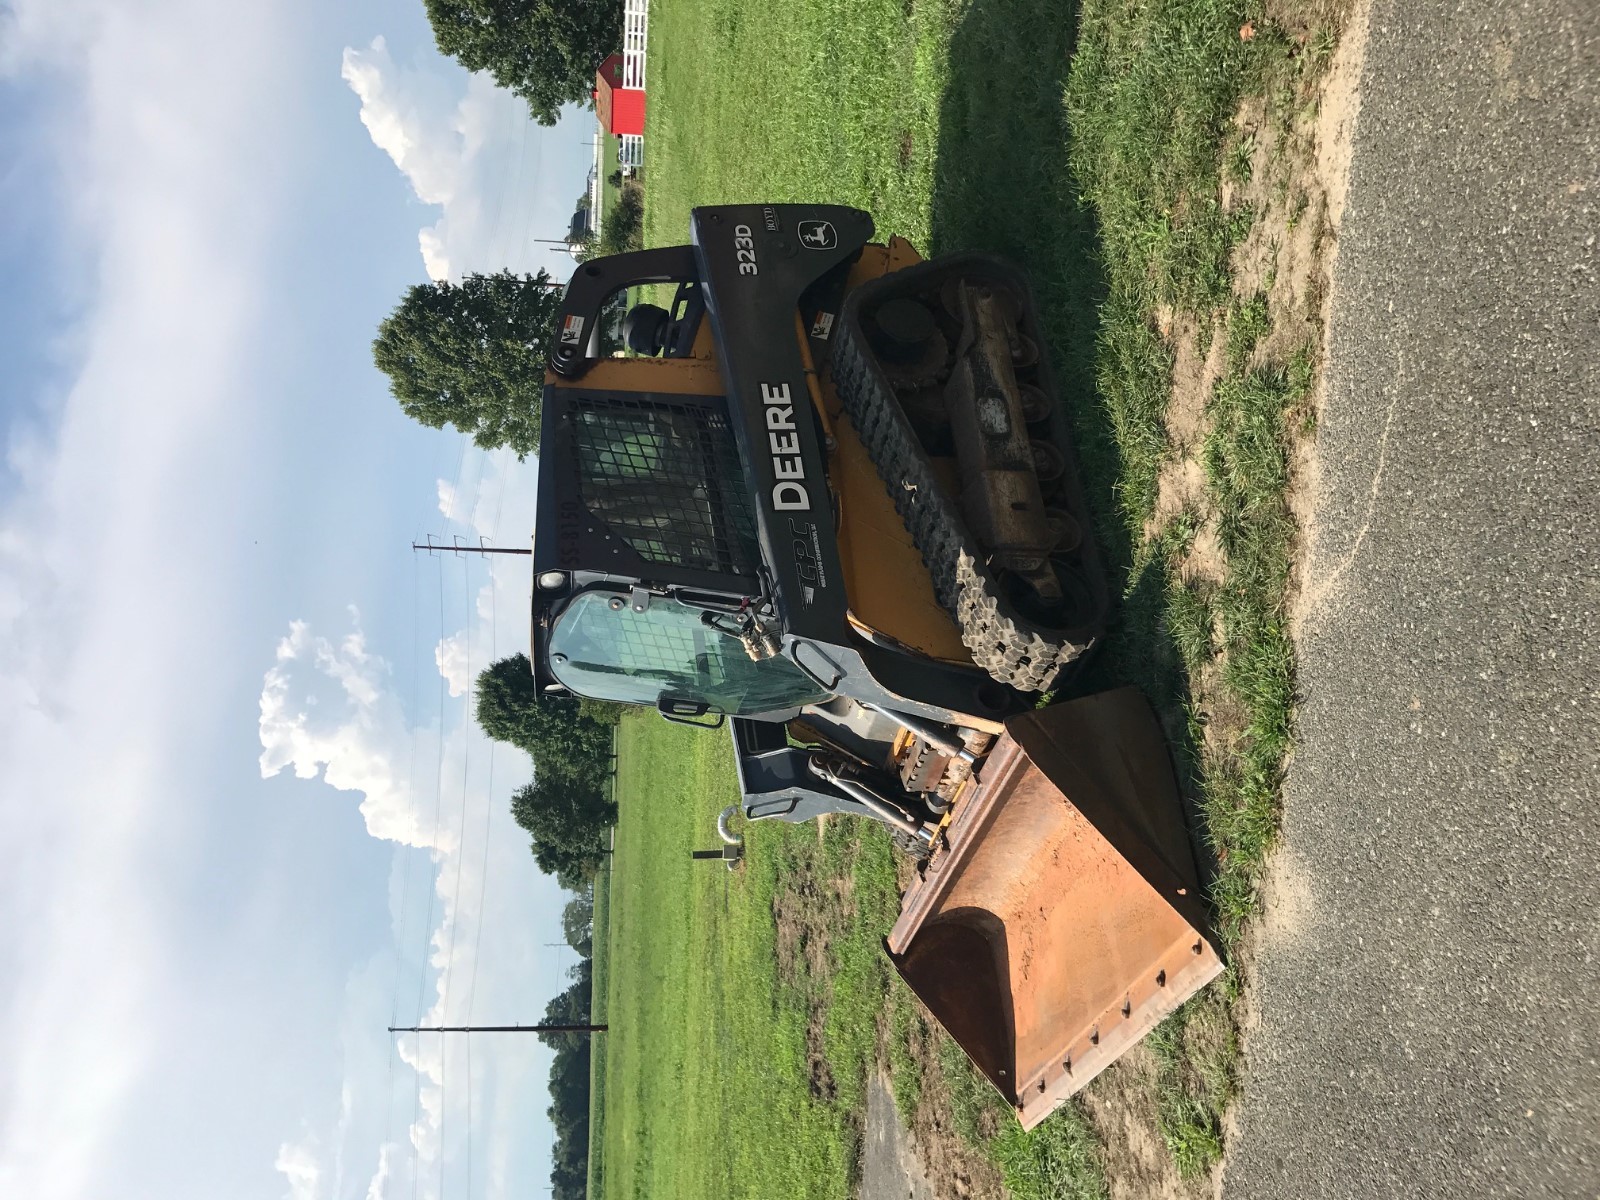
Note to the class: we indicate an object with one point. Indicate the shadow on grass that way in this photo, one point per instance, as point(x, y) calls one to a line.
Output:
point(1002, 183)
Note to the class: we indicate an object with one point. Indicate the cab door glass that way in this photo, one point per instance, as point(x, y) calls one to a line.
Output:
point(602, 648)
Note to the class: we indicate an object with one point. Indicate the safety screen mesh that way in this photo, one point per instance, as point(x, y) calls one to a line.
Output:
point(669, 652)
point(666, 478)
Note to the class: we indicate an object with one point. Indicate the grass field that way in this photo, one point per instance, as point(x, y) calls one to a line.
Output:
point(739, 1045)
point(601, 965)
point(597, 1051)
point(1092, 143)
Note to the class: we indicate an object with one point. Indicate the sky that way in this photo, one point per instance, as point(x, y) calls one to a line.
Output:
point(246, 819)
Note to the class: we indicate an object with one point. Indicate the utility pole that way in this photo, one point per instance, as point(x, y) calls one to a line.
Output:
point(498, 1028)
point(457, 548)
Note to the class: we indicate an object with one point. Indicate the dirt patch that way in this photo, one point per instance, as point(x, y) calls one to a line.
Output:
point(1285, 255)
point(1198, 360)
point(1332, 143)
point(957, 1171)
point(1199, 357)
point(819, 1075)
point(801, 917)
point(1226, 716)
point(1122, 1105)
point(1182, 493)
point(953, 1166)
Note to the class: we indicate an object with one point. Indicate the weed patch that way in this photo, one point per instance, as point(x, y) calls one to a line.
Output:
point(1058, 1161)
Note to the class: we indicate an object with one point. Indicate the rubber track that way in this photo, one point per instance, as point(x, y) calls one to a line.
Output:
point(1006, 645)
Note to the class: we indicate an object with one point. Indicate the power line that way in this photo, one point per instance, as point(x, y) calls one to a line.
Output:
point(461, 848)
point(483, 867)
point(427, 925)
point(405, 882)
point(499, 1028)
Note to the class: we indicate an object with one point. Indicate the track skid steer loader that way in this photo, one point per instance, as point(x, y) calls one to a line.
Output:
point(830, 498)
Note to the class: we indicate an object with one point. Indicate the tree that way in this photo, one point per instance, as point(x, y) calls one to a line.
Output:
point(568, 819)
point(473, 355)
point(577, 923)
point(622, 226)
point(561, 736)
point(546, 51)
point(569, 870)
point(570, 1007)
point(565, 808)
point(605, 712)
point(569, 1085)
point(510, 708)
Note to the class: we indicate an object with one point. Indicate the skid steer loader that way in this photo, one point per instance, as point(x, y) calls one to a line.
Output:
point(831, 499)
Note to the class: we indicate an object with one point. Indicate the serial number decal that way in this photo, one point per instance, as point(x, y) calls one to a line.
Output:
point(789, 494)
point(744, 249)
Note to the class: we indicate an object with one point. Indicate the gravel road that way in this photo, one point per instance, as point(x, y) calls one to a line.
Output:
point(1428, 984)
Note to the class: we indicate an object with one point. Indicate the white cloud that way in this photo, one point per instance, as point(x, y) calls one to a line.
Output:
point(351, 732)
point(380, 1177)
point(409, 114)
point(328, 709)
point(454, 660)
point(298, 1163)
point(114, 646)
point(451, 502)
point(474, 153)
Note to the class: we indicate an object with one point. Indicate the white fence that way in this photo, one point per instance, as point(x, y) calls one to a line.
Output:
point(635, 34)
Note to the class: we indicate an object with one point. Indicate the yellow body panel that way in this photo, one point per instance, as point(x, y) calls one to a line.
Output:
point(890, 590)
point(697, 376)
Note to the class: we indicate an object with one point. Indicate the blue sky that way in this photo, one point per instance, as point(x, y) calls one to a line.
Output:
point(246, 818)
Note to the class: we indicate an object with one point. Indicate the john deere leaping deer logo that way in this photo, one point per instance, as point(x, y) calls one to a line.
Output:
point(818, 235)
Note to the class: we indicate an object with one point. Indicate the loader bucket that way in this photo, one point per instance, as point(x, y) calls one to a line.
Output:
point(1063, 922)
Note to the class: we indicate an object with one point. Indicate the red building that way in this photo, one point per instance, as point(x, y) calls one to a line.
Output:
point(621, 109)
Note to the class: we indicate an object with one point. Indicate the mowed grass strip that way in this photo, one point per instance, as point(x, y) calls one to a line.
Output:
point(597, 1047)
point(834, 100)
point(735, 1065)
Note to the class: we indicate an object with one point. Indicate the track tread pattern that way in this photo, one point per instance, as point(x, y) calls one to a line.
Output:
point(1010, 648)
